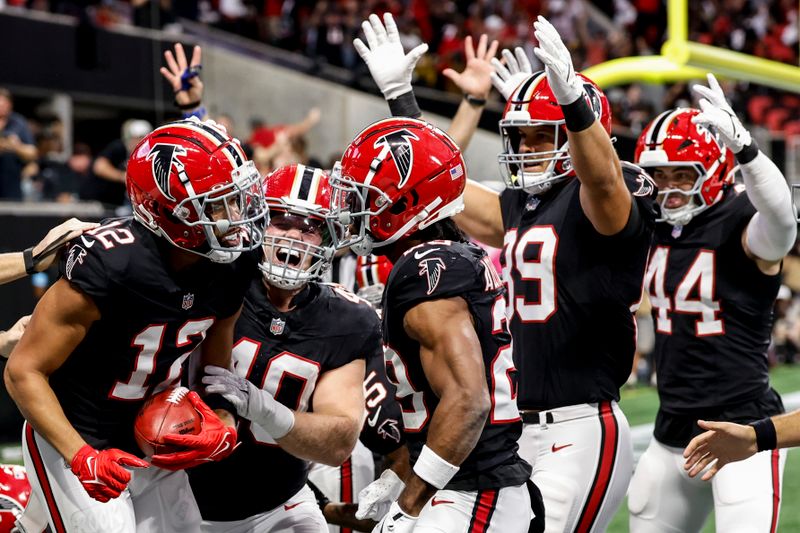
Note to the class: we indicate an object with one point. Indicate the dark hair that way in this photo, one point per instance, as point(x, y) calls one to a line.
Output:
point(442, 230)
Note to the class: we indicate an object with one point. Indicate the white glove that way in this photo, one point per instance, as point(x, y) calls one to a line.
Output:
point(396, 521)
point(718, 113)
point(375, 499)
point(252, 403)
point(566, 85)
point(389, 65)
point(506, 78)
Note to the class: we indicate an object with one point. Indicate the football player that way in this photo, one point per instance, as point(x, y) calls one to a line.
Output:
point(137, 296)
point(575, 226)
point(448, 351)
point(298, 370)
point(712, 279)
point(381, 435)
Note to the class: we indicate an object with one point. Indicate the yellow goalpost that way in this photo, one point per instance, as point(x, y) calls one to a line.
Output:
point(683, 60)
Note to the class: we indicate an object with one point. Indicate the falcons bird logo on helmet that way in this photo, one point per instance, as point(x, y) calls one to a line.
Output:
point(398, 144)
point(164, 156)
point(432, 269)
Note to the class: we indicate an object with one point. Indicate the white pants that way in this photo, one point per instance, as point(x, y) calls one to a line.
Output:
point(343, 483)
point(505, 510)
point(745, 496)
point(299, 514)
point(582, 462)
point(156, 500)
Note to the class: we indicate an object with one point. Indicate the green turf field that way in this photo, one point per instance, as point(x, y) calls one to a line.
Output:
point(640, 406)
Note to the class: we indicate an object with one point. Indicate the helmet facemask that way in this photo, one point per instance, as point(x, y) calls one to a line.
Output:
point(231, 216)
point(557, 164)
point(350, 208)
point(290, 262)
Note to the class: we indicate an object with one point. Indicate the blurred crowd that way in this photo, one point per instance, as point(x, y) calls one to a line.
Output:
point(595, 31)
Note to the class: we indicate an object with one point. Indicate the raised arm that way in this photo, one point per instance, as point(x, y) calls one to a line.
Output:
point(605, 199)
point(772, 231)
point(184, 78)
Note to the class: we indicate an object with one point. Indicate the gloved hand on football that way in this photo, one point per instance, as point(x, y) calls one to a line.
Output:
point(215, 441)
point(252, 403)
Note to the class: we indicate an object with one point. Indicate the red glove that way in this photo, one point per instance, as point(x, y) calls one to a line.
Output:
point(215, 441)
point(101, 472)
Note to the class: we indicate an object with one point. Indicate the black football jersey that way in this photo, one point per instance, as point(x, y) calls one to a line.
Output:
point(445, 269)
point(383, 427)
point(572, 292)
point(152, 318)
point(712, 310)
point(285, 354)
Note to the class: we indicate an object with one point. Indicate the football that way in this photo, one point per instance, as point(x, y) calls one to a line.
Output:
point(167, 413)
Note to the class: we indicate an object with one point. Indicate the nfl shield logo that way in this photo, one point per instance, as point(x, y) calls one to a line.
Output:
point(276, 326)
point(188, 301)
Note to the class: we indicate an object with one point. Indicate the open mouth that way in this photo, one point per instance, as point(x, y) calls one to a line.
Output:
point(232, 239)
point(288, 256)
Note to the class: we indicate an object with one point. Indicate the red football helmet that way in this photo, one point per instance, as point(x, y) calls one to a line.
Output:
point(372, 273)
point(533, 104)
point(191, 183)
point(299, 198)
point(398, 176)
point(15, 491)
point(673, 140)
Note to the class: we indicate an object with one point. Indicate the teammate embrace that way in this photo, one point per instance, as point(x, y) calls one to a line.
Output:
point(502, 436)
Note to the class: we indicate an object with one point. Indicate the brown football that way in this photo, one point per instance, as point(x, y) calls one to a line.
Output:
point(167, 413)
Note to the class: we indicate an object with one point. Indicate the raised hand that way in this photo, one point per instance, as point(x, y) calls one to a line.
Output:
point(184, 77)
point(476, 78)
point(717, 113)
point(517, 68)
point(565, 84)
point(389, 65)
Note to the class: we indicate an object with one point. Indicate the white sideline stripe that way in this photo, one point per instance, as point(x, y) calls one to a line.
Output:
point(641, 435)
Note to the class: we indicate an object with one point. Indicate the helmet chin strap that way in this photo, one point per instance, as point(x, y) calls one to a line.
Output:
point(364, 246)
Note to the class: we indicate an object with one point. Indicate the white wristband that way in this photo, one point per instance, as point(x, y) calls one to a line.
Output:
point(433, 469)
point(270, 414)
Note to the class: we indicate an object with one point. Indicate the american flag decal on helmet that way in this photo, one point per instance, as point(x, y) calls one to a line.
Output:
point(398, 144)
point(164, 156)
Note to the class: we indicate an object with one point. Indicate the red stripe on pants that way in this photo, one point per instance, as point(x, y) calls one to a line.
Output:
point(346, 487)
point(776, 489)
point(44, 481)
point(483, 511)
point(605, 467)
